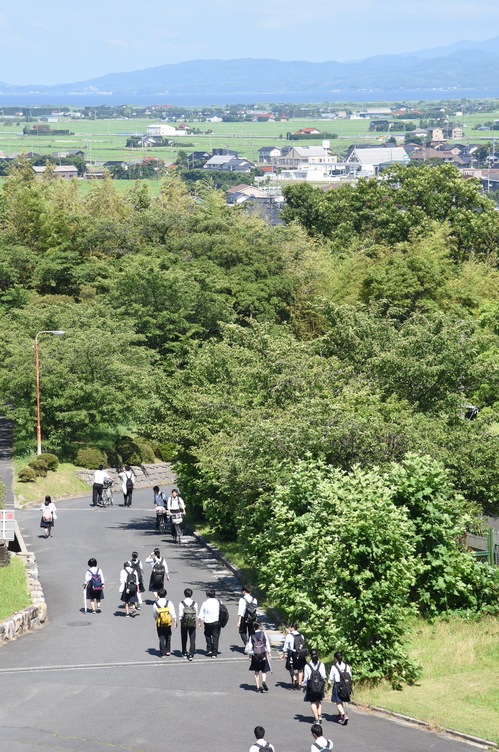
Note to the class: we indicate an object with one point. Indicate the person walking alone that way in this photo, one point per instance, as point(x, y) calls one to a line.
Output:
point(258, 649)
point(127, 484)
point(94, 584)
point(159, 572)
point(48, 510)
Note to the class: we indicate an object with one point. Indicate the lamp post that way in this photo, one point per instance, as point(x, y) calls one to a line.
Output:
point(59, 333)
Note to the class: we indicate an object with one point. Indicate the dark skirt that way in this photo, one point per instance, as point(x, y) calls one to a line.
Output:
point(44, 523)
point(334, 696)
point(154, 588)
point(294, 663)
point(257, 665)
point(94, 595)
point(313, 696)
point(129, 597)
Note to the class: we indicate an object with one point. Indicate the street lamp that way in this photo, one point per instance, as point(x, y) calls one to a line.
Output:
point(59, 333)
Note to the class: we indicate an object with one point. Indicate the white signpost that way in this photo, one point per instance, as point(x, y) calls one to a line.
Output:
point(7, 524)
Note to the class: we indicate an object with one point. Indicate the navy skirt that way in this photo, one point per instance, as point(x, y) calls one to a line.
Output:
point(94, 595)
point(334, 696)
point(257, 665)
point(44, 523)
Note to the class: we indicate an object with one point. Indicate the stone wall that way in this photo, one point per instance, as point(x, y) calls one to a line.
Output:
point(146, 476)
point(32, 616)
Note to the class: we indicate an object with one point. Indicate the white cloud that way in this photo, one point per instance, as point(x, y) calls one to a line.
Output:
point(116, 42)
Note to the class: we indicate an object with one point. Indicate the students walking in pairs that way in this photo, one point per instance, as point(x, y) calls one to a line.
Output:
point(129, 586)
point(163, 612)
point(340, 677)
point(94, 584)
point(210, 614)
point(313, 683)
point(258, 649)
point(48, 510)
point(320, 742)
point(246, 614)
point(260, 743)
point(159, 572)
point(188, 616)
point(295, 651)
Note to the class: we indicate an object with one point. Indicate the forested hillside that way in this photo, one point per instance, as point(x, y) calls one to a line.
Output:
point(312, 379)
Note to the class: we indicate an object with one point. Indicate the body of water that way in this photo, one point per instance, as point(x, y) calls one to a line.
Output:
point(205, 100)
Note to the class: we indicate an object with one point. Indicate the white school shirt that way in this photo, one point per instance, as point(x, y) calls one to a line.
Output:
point(210, 611)
point(51, 507)
point(257, 746)
point(164, 603)
point(289, 642)
point(174, 504)
point(308, 671)
point(100, 475)
point(154, 560)
point(188, 602)
point(124, 476)
point(320, 743)
point(243, 603)
point(334, 674)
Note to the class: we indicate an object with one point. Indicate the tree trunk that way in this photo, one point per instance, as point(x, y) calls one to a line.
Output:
point(4, 554)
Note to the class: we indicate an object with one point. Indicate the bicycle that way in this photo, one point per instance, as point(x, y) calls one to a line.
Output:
point(160, 519)
point(176, 526)
point(105, 498)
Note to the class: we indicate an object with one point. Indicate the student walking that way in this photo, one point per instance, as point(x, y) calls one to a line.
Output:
point(48, 510)
point(136, 564)
point(340, 677)
point(129, 586)
point(210, 615)
point(313, 683)
point(159, 501)
point(258, 649)
point(159, 572)
point(260, 743)
point(175, 509)
point(127, 484)
point(246, 614)
point(164, 613)
point(100, 476)
point(320, 742)
point(188, 616)
point(94, 584)
point(295, 651)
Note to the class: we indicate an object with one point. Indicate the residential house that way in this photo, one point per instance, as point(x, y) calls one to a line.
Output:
point(370, 159)
point(374, 112)
point(380, 125)
point(240, 193)
point(95, 173)
point(267, 154)
point(425, 153)
point(164, 130)
point(293, 156)
point(442, 134)
point(228, 163)
point(308, 132)
point(65, 172)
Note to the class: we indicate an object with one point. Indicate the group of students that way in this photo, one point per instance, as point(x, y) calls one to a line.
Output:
point(320, 743)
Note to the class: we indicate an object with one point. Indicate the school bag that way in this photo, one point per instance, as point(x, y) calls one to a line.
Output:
point(300, 646)
point(163, 617)
point(323, 749)
point(223, 615)
point(189, 618)
point(95, 580)
point(259, 648)
point(265, 747)
point(250, 613)
point(315, 683)
point(129, 483)
point(158, 574)
point(345, 689)
point(136, 566)
point(47, 514)
point(131, 583)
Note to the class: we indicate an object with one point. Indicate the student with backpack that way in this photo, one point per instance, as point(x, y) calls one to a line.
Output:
point(260, 743)
point(313, 683)
point(210, 614)
point(94, 584)
point(129, 588)
point(340, 677)
point(164, 614)
point(188, 615)
point(295, 650)
point(159, 572)
point(320, 743)
point(48, 510)
point(136, 564)
point(246, 614)
point(127, 484)
point(258, 649)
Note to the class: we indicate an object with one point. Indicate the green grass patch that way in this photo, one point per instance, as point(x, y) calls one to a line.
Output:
point(13, 589)
point(230, 549)
point(459, 688)
point(60, 484)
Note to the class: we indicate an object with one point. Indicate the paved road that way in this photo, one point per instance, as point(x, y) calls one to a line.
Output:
point(103, 684)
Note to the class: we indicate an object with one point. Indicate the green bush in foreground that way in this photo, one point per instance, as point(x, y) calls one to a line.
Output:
point(51, 460)
point(90, 457)
point(40, 467)
point(27, 475)
point(13, 588)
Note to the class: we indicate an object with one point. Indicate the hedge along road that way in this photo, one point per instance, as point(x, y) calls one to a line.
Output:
point(103, 683)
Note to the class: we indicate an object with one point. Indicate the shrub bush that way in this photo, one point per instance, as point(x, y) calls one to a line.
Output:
point(114, 459)
point(129, 451)
point(90, 457)
point(146, 453)
point(26, 475)
point(39, 466)
point(50, 460)
point(166, 452)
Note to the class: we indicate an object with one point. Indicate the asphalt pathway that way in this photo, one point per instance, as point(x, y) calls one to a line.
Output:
point(87, 682)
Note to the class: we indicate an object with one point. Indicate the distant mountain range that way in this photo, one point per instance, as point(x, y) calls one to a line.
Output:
point(462, 65)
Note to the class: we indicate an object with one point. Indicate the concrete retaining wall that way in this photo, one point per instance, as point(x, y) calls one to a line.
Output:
point(32, 616)
point(146, 476)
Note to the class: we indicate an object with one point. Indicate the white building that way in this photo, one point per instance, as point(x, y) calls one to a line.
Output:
point(369, 159)
point(164, 130)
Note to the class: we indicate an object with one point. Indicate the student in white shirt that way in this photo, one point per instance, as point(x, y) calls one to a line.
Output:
point(294, 663)
point(94, 585)
point(175, 508)
point(159, 571)
point(188, 616)
point(127, 484)
point(164, 630)
point(260, 743)
point(99, 476)
point(246, 614)
point(314, 696)
point(320, 741)
point(129, 588)
point(334, 679)
point(48, 510)
point(258, 649)
point(210, 615)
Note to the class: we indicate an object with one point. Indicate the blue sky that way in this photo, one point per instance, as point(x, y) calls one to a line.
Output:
point(56, 42)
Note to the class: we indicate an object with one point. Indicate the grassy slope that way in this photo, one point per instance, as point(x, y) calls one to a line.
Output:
point(459, 688)
point(60, 484)
point(13, 589)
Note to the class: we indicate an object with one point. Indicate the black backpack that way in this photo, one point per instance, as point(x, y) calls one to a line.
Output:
point(131, 583)
point(250, 613)
point(300, 646)
point(129, 483)
point(158, 573)
point(345, 689)
point(323, 749)
point(315, 683)
point(223, 615)
point(136, 566)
